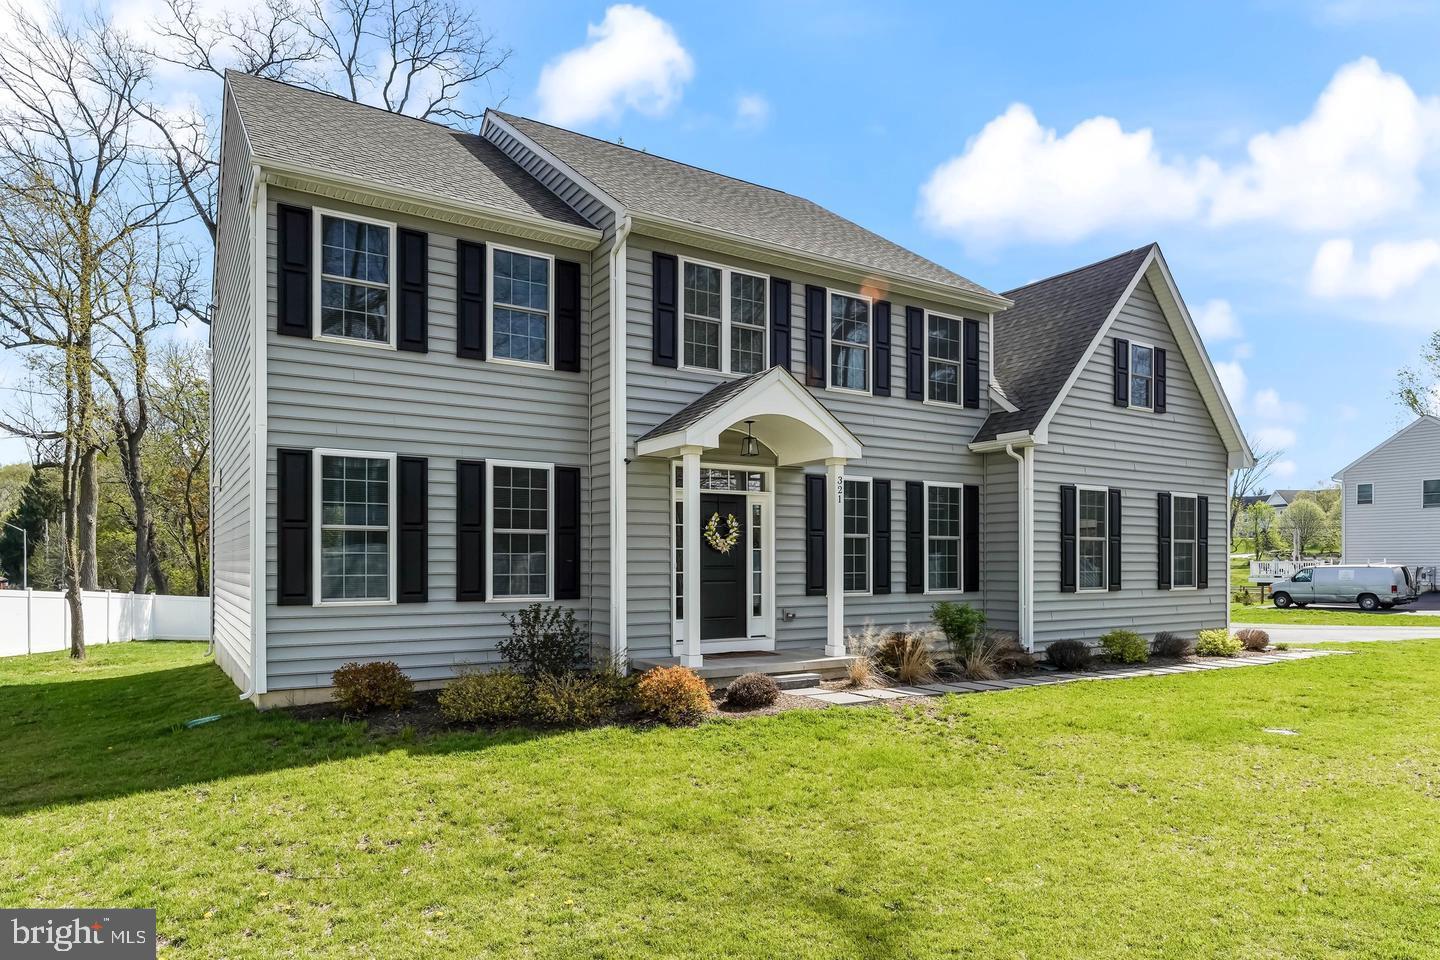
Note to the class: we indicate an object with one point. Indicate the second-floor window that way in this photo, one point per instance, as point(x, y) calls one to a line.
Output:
point(1142, 376)
point(356, 275)
point(849, 342)
point(942, 359)
point(725, 318)
point(1430, 493)
point(1364, 493)
point(520, 306)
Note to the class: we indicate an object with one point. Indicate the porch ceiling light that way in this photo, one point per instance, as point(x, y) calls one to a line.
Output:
point(749, 447)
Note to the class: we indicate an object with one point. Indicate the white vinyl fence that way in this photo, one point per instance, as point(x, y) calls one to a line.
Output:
point(37, 621)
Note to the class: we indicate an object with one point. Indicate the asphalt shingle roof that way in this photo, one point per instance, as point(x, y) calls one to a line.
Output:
point(1041, 339)
point(327, 133)
point(649, 184)
point(703, 404)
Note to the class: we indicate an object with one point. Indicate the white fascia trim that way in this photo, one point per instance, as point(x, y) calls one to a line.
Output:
point(1015, 438)
point(616, 207)
point(997, 397)
point(259, 438)
point(1340, 474)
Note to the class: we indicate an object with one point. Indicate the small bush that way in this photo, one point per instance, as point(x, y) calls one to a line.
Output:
point(751, 691)
point(992, 654)
point(1253, 639)
point(1216, 643)
point(573, 699)
point(1125, 646)
point(1068, 654)
point(673, 695)
point(1241, 595)
point(360, 687)
point(960, 623)
point(1282, 646)
point(906, 656)
point(498, 697)
point(545, 640)
point(860, 671)
point(1171, 646)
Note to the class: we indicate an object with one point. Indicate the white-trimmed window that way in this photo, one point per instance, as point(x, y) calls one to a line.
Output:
point(521, 305)
point(857, 535)
point(355, 279)
point(1430, 493)
point(521, 502)
point(1184, 530)
point(725, 319)
point(1092, 540)
point(849, 342)
point(1364, 493)
point(942, 537)
point(355, 551)
point(942, 358)
point(1142, 376)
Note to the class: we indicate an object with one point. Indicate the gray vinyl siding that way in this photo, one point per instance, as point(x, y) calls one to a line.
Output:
point(583, 202)
point(1000, 559)
point(1397, 527)
point(233, 386)
point(435, 405)
point(903, 440)
point(1093, 442)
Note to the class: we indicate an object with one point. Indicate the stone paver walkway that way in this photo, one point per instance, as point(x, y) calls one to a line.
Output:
point(851, 696)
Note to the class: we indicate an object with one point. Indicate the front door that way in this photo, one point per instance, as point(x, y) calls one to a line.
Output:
point(723, 587)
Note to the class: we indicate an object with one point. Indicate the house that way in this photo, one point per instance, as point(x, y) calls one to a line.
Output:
point(1281, 499)
point(455, 374)
point(1391, 498)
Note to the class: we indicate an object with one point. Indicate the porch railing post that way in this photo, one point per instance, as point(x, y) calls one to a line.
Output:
point(690, 480)
point(835, 561)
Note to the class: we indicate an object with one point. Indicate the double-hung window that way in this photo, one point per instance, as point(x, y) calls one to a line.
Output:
point(357, 273)
point(1430, 493)
point(942, 537)
point(1184, 531)
point(942, 358)
point(520, 516)
point(1364, 493)
point(1142, 376)
point(857, 535)
point(725, 318)
point(356, 501)
point(1093, 537)
point(521, 305)
point(849, 342)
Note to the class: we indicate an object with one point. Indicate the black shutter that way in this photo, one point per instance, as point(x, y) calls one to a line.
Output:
point(1163, 540)
point(914, 536)
point(470, 530)
point(914, 353)
point(413, 272)
point(972, 363)
point(293, 315)
point(1159, 380)
point(664, 310)
point(880, 552)
point(1202, 542)
point(970, 537)
point(882, 348)
point(779, 323)
point(567, 316)
point(815, 506)
point(470, 300)
point(1116, 521)
point(412, 541)
point(293, 542)
point(567, 533)
point(1067, 538)
point(1122, 372)
point(815, 336)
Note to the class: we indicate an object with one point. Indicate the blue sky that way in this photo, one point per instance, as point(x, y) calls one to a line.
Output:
point(1284, 154)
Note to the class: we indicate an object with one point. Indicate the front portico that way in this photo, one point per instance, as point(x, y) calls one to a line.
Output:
point(714, 579)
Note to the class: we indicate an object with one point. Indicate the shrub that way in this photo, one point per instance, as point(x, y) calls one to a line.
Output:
point(1253, 639)
point(545, 640)
point(1282, 646)
point(360, 687)
point(1216, 643)
point(862, 646)
point(1068, 654)
point(573, 699)
point(1240, 595)
point(906, 656)
point(961, 625)
point(1171, 645)
point(751, 691)
point(673, 694)
point(496, 697)
point(1126, 646)
point(992, 654)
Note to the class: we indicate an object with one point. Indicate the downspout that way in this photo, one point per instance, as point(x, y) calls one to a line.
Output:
point(259, 300)
point(619, 419)
point(1024, 561)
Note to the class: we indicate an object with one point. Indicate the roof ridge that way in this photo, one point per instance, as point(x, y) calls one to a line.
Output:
point(357, 103)
point(1074, 270)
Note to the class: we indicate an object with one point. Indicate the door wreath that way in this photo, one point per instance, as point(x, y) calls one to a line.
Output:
point(722, 545)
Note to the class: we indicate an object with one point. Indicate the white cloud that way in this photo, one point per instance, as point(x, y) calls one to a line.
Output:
point(1216, 320)
point(1268, 406)
point(1232, 378)
point(632, 60)
point(1283, 469)
point(1274, 438)
point(1242, 351)
point(752, 111)
point(1392, 267)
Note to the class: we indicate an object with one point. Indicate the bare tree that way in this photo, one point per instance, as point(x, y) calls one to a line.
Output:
point(181, 448)
point(1249, 481)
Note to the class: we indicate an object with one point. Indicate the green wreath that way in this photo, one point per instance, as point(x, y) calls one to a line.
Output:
point(722, 545)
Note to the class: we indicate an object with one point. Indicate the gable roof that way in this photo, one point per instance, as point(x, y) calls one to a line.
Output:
point(1048, 332)
point(651, 185)
point(1423, 418)
point(321, 132)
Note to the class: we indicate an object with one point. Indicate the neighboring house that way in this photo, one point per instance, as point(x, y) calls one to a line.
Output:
point(1392, 499)
point(455, 374)
point(1281, 499)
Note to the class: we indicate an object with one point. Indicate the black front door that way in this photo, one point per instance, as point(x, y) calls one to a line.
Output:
point(723, 592)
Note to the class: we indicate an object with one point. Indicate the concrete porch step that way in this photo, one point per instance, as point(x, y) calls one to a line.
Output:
point(795, 681)
point(809, 665)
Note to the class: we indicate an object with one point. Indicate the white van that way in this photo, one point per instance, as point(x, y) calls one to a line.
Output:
point(1371, 585)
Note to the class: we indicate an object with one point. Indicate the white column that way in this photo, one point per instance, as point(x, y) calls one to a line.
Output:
point(690, 478)
point(835, 575)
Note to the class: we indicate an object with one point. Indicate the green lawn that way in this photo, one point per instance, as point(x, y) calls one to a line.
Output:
point(1330, 616)
point(1135, 818)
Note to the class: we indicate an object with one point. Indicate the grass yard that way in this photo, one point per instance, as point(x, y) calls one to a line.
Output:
point(1330, 617)
point(1136, 818)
